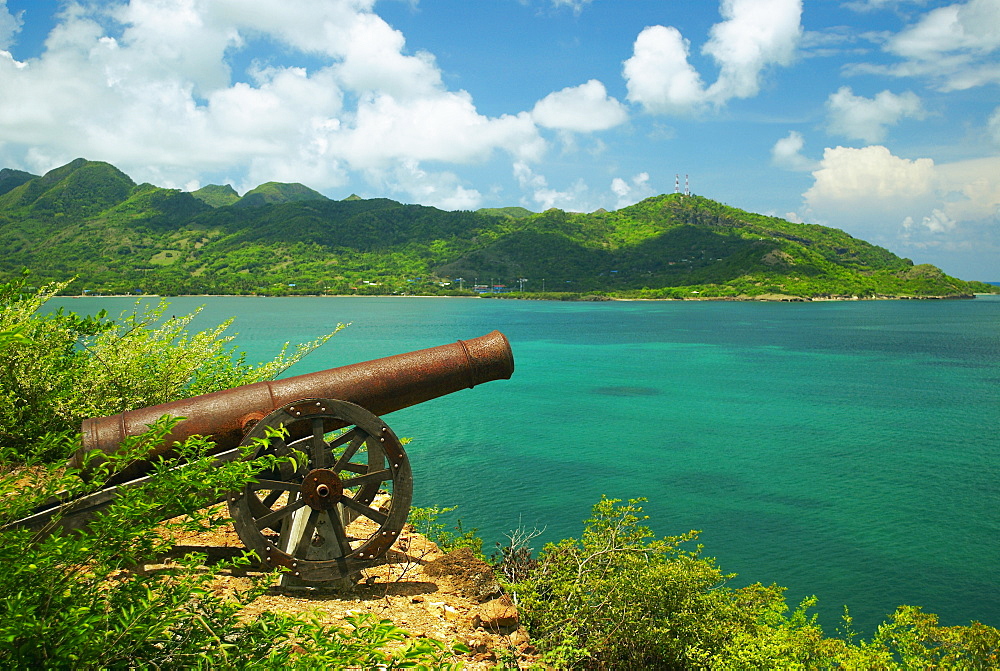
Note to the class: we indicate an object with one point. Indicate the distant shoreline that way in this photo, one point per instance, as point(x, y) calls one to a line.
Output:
point(764, 298)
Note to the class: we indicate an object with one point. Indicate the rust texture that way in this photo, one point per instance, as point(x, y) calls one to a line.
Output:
point(381, 386)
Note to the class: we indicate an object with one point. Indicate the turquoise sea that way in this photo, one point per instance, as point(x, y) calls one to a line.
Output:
point(846, 449)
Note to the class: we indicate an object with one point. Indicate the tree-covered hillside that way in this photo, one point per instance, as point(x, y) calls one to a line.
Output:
point(89, 220)
point(11, 179)
point(217, 195)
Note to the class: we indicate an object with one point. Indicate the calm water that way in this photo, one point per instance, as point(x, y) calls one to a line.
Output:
point(847, 450)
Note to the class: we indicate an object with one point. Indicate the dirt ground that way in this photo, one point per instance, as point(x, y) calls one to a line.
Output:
point(420, 589)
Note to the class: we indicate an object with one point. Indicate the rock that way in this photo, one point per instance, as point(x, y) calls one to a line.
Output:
point(499, 614)
point(474, 577)
point(476, 644)
point(450, 613)
point(443, 610)
point(519, 638)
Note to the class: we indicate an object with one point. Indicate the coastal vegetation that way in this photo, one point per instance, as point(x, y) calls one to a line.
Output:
point(90, 224)
point(615, 597)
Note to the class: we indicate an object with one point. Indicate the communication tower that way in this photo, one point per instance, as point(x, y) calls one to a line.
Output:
point(677, 183)
point(687, 186)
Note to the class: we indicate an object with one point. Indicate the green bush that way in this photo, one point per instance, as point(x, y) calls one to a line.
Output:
point(58, 368)
point(427, 522)
point(81, 600)
point(619, 598)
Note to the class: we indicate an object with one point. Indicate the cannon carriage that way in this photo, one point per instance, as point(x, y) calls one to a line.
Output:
point(339, 505)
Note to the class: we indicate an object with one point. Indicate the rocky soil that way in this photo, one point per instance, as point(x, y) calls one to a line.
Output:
point(453, 598)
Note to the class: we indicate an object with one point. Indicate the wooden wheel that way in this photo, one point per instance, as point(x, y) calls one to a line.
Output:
point(338, 504)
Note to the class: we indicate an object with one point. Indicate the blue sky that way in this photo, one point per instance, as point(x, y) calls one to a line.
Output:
point(880, 117)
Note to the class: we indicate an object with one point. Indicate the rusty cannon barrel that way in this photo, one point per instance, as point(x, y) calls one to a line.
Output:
point(381, 386)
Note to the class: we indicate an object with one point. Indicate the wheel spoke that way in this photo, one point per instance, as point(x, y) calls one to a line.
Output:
point(275, 485)
point(339, 533)
point(341, 439)
point(272, 497)
point(355, 468)
point(318, 446)
point(370, 513)
point(358, 439)
point(271, 518)
point(368, 479)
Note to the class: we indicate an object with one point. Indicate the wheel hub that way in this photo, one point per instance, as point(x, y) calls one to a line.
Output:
point(322, 489)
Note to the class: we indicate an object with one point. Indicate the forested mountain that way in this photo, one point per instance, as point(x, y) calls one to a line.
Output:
point(89, 220)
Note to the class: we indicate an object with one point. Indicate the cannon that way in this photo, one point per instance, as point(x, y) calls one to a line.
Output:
point(341, 503)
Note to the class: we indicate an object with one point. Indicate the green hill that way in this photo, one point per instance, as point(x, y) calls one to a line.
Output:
point(11, 179)
point(90, 220)
point(514, 212)
point(78, 189)
point(217, 195)
point(275, 193)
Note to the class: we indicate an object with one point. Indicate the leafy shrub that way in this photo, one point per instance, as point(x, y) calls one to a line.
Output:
point(58, 368)
point(619, 598)
point(79, 600)
point(618, 595)
point(426, 522)
point(514, 560)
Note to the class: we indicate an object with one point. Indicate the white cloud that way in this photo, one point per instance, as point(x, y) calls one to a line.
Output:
point(877, 5)
point(437, 189)
point(936, 222)
point(583, 109)
point(10, 26)
point(319, 27)
point(754, 35)
point(993, 125)
point(631, 192)
point(972, 189)
point(952, 45)
point(445, 127)
point(576, 5)
point(967, 26)
point(851, 175)
point(542, 196)
point(830, 41)
point(176, 40)
point(787, 153)
point(870, 193)
point(908, 204)
point(373, 61)
point(658, 75)
point(866, 119)
point(147, 85)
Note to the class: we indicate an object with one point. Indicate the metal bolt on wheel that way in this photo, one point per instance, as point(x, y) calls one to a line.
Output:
point(338, 504)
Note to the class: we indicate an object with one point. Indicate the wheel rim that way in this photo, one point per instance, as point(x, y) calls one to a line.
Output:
point(339, 505)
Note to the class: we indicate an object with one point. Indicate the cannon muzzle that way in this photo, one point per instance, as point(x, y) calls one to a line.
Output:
point(381, 386)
